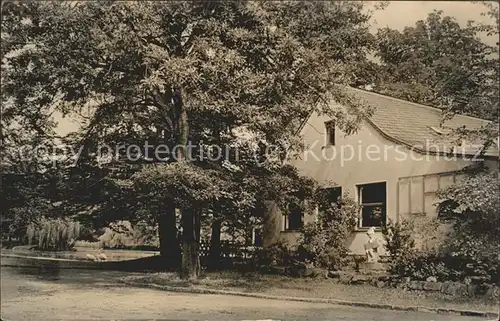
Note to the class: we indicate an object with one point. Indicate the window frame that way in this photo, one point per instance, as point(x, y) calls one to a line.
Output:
point(330, 137)
point(359, 191)
point(286, 221)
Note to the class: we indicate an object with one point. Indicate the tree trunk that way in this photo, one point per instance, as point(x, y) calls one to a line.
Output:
point(190, 263)
point(214, 258)
point(191, 266)
point(215, 248)
point(167, 224)
point(169, 244)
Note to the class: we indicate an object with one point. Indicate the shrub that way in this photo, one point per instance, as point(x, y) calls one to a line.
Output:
point(123, 234)
point(424, 265)
point(415, 249)
point(324, 241)
point(445, 258)
point(53, 234)
point(112, 240)
point(279, 253)
point(465, 248)
point(400, 243)
point(476, 229)
point(476, 255)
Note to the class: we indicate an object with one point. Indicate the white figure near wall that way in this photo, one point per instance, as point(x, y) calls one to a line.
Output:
point(371, 246)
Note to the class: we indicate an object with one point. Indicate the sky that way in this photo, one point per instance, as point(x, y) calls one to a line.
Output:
point(404, 13)
point(397, 15)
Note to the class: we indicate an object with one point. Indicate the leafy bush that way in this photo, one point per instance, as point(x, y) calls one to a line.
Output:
point(323, 242)
point(112, 240)
point(476, 255)
point(448, 258)
point(279, 253)
point(415, 249)
point(123, 234)
point(400, 243)
point(53, 234)
point(476, 228)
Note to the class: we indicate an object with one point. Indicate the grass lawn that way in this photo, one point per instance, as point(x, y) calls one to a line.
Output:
point(317, 288)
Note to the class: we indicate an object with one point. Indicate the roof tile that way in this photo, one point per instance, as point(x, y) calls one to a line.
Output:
point(410, 123)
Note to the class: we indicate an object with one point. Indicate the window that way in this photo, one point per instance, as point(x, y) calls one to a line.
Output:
point(332, 194)
point(446, 211)
point(294, 218)
point(330, 133)
point(257, 237)
point(372, 199)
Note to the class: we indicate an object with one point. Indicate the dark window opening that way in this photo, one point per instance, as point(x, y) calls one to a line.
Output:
point(257, 237)
point(294, 219)
point(372, 199)
point(445, 211)
point(331, 195)
point(330, 133)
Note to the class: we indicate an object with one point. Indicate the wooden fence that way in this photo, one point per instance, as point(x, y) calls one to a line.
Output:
point(230, 254)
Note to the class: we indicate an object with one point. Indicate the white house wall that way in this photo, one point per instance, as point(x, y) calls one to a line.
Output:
point(337, 164)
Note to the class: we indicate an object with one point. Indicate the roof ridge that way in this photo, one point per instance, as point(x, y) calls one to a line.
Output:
point(417, 104)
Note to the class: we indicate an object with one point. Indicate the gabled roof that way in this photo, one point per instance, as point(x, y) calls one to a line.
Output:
point(417, 126)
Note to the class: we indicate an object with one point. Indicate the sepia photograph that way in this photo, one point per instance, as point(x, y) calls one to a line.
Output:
point(245, 160)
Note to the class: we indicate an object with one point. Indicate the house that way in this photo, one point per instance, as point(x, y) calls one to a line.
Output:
point(392, 166)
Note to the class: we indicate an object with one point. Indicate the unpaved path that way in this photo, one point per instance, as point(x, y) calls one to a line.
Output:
point(96, 295)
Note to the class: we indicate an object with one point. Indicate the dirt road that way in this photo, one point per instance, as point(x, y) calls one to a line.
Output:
point(30, 294)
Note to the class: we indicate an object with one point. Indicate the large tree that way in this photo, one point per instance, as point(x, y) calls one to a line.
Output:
point(440, 63)
point(179, 73)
